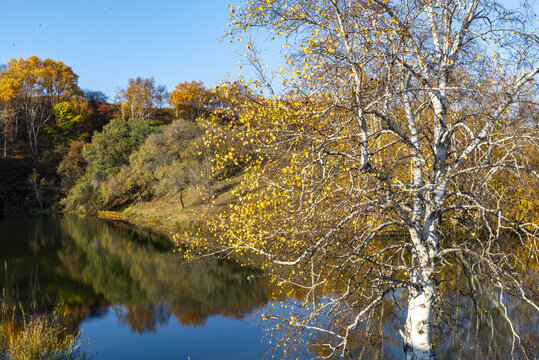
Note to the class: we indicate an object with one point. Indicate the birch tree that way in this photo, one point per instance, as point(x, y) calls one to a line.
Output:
point(37, 86)
point(395, 116)
point(7, 113)
point(140, 98)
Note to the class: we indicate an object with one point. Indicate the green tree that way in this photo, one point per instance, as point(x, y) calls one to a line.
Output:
point(110, 149)
point(68, 124)
point(163, 164)
point(105, 156)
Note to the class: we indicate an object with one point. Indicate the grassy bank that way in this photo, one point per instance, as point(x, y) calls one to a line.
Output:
point(166, 213)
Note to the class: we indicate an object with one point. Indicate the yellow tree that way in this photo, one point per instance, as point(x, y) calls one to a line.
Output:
point(395, 116)
point(140, 98)
point(38, 85)
point(68, 123)
point(191, 100)
point(8, 91)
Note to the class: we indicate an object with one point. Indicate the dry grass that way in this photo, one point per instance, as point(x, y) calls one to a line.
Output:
point(112, 215)
point(24, 337)
point(167, 212)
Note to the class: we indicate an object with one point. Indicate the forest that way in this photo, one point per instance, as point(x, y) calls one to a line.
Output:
point(68, 148)
point(396, 163)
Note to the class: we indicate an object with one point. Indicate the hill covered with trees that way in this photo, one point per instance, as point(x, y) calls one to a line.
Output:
point(68, 148)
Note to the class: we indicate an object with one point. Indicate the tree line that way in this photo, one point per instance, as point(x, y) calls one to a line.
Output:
point(47, 120)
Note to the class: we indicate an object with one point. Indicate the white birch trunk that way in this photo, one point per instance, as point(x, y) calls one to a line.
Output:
point(417, 339)
point(416, 336)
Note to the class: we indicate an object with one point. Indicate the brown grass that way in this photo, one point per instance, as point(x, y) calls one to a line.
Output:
point(167, 213)
point(25, 337)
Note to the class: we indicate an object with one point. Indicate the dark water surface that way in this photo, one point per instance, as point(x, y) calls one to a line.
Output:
point(133, 298)
point(129, 294)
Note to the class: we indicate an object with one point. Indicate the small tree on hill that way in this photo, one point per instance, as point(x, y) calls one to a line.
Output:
point(140, 98)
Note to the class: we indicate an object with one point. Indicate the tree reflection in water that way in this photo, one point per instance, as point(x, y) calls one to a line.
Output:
point(470, 323)
point(81, 267)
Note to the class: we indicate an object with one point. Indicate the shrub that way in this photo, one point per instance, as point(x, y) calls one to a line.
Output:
point(161, 165)
point(24, 337)
point(105, 156)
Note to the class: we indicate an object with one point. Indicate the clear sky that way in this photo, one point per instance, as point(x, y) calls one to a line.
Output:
point(108, 41)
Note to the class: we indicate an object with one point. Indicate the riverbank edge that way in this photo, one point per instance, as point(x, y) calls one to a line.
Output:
point(164, 215)
point(141, 221)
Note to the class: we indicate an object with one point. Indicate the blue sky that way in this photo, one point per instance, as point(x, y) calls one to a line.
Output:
point(107, 42)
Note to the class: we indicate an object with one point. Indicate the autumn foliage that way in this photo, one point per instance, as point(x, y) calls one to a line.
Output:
point(29, 89)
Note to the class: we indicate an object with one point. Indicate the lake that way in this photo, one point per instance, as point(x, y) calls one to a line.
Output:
point(132, 297)
point(128, 293)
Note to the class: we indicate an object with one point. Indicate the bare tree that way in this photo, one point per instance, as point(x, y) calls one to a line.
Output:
point(397, 116)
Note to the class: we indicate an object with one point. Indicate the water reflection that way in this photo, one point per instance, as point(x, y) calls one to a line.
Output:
point(91, 272)
point(470, 321)
point(81, 266)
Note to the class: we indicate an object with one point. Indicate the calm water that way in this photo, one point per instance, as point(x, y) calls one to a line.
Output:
point(129, 294)
point(133, 298)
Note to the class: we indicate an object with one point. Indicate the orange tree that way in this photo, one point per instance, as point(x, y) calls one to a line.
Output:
point(191, 100)
point(396, 116)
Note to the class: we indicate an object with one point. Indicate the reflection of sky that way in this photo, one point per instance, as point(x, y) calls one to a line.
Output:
point(189, 327)
point(219, 338)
